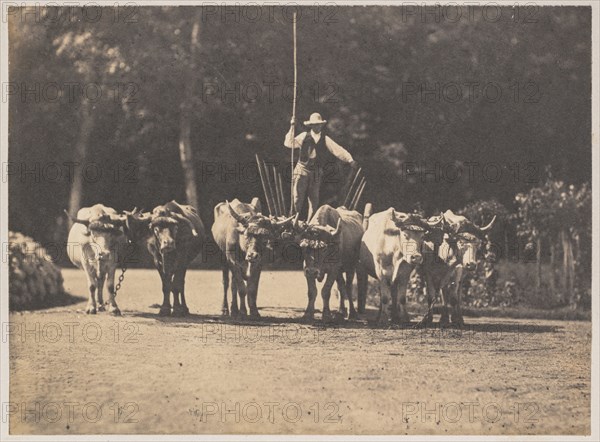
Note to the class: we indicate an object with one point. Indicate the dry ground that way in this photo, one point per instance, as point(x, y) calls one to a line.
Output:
point(140, 373)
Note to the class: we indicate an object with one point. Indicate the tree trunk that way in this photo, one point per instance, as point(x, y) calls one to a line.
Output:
point(553, 268)
point(538, 258)
point(568, 268)
point(506, 246)
point(185, 142)
point(81, 148)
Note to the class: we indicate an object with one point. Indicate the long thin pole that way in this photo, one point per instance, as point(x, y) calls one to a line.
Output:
point(264, 185)
point(277, 198)
point(270, 187)
point(279, 191)
point(359, 193)
point(352, 189)
point(292, 208)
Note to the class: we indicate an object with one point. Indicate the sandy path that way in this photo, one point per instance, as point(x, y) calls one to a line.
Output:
point(73, 373)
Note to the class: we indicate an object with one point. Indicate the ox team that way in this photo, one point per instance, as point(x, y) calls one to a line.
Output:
point(336, 243)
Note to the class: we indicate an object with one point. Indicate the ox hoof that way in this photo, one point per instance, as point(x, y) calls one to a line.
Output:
point(338, 317)
point(101, 307)
point(444, 321)
point(180, 311)
point(242, 312)
point(308, 316)
point(353, 314)
point(458, 321)
point(90, 310)
point(225, 312)
point(164, 311)
point(114, 311)
point(327, 317)
point(425, 322)
point(254, 315)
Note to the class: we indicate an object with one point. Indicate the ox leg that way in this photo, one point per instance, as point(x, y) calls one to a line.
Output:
point(341, 284)
point(253, 293)
point(91, 276)
point(100, 289)
point(445, 316)
point(457, 317)
point(184, 307)
point(309, 313)
point(325, 295)
point(349, 281)
point(430, 287)
point(385, 295)
point(225, 306)
point(113, 308)
point(241, 289)
point(165, 308)
point(178, 287)
point(400, 288)
point(235, 311)
point(362, 282)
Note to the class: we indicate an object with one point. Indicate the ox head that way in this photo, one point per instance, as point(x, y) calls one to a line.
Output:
point(320, 248)
point(103, 230)
point(136, 225)
point(164, 225)
point(295, 229)
point(464, 238)
point(257, 232)
point(412, 233)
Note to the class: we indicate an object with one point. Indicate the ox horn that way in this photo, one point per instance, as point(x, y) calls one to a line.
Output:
point(236, 216)
point(182, 218)
point(283, 222)
point(398, 219)
point(85, 222)
point(337, 228)
point(118, 219)
point(435, 221)
point(488, 227)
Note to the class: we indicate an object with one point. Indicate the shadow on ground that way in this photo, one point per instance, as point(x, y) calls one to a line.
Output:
point(64, 300)
point(365, 321)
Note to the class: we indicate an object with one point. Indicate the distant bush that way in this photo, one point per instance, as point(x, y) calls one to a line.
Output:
point(34, 281)
point(556, 221)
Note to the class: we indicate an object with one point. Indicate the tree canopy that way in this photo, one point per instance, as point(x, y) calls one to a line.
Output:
point(440, 112)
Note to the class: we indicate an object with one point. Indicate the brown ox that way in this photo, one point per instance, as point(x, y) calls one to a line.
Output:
point(174, 235)
point(243, 233)
point(330, 245)
point(450, 253)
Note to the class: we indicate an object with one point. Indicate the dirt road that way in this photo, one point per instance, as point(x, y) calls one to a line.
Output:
point(140, 373)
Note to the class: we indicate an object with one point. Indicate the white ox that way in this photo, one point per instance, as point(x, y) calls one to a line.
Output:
point(96, 245)
point(390, 250)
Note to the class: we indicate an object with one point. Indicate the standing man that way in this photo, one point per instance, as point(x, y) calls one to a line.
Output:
point(315, 148)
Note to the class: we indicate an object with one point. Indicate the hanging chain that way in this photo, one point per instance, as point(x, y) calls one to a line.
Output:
point(121, 278)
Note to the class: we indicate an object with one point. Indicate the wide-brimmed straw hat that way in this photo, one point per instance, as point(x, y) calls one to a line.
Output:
point(315, 119)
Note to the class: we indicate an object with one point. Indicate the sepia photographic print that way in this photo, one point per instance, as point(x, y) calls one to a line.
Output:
point(299, 221)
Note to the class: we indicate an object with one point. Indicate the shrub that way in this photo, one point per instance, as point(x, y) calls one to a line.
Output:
point(34, 281)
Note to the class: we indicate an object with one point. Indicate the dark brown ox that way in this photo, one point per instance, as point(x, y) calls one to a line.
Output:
point(97, 245)
point(450, 254)
point(330, 244)
point(243, 234)
point(174, 235)
point(390, 250)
